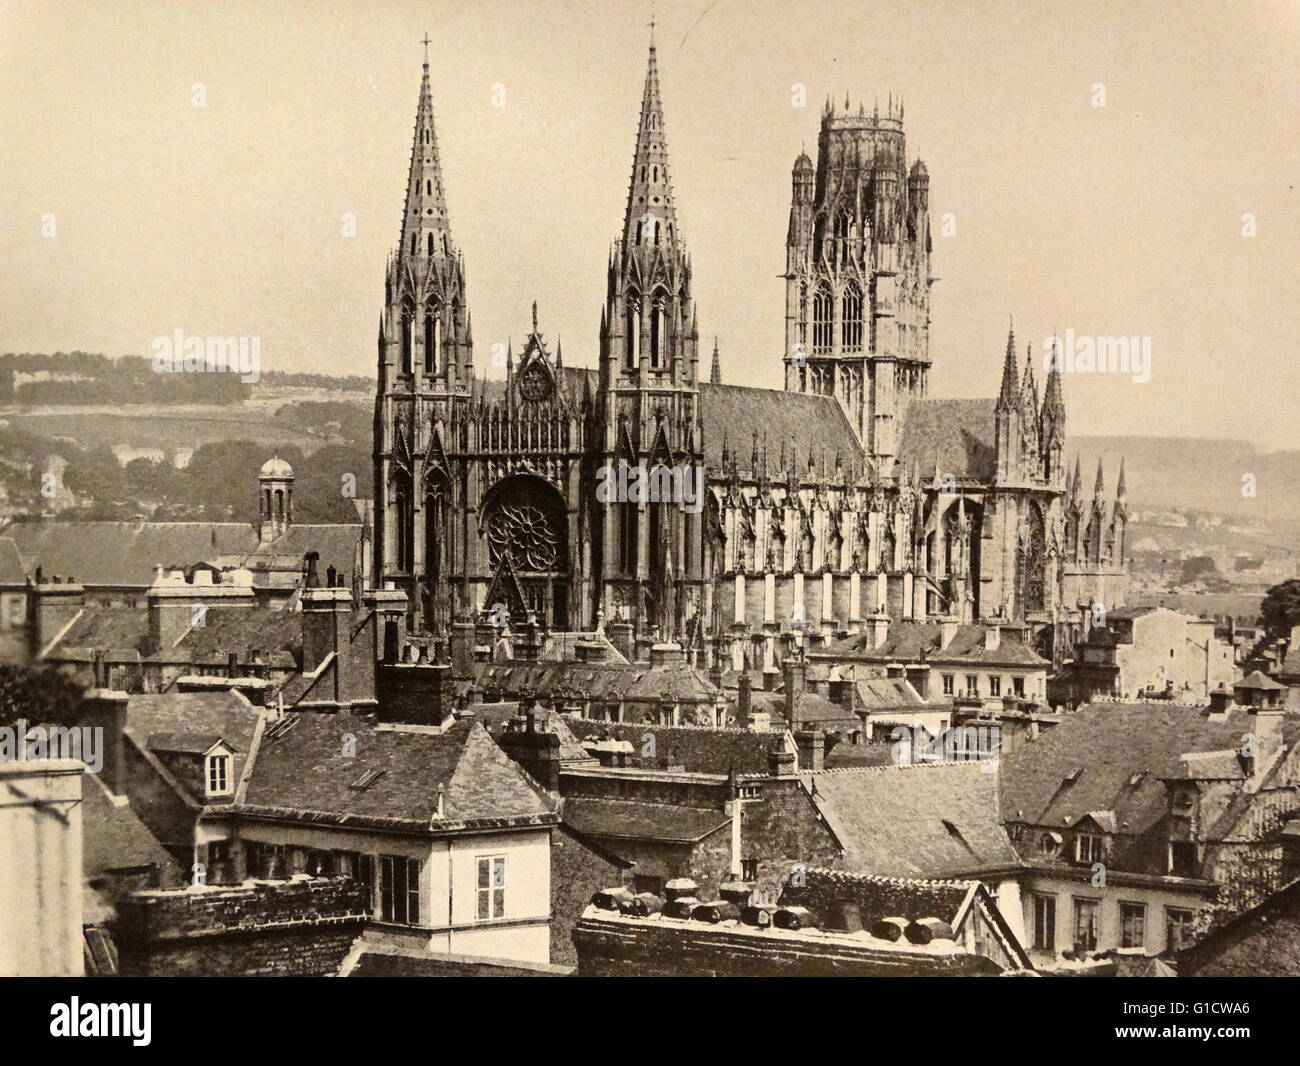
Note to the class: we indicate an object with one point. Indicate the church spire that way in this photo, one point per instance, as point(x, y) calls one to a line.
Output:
point(426, 229)
point(715, 373)
point(1009, 395)
point(651, 218)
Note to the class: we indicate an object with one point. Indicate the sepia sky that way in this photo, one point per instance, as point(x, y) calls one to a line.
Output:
point(226, 219)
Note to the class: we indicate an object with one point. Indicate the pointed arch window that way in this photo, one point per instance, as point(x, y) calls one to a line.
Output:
point(429, 244)
point(432, 340)
point(658, 337)
point(428, 187)
point(822, 323)
point(402, 535)
point(414, 237)
point(851, 330)
point(633, 345)
point(408, 339)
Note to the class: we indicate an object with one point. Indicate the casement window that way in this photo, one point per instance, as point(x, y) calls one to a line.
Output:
point(1018, 685)
point(399, 889)
point(1087, 848)
point(1085, 924)
point(949, 684)
point(1132, 925)
point(995, 685)
point(1178, 928)
point(218, 775)
point(491, 887)
point(972, 685)
point(749, 869)
point(1044, 922)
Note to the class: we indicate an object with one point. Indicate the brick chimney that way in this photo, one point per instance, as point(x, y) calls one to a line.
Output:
point(326, 617)
point(462, 650)
point(535, 750)
point(878, 629)
point(812, 749)
point(992, 637)
point(105, 709)
point(744, 701)
point(51, 605)
point(665, 653)
point(1266, 725)
point(794, 679)
point(918, 674)
point(947, 631)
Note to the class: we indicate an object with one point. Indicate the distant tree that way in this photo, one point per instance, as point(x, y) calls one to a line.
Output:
point(1198, 568)
point(1281, 607)
point(38, 695)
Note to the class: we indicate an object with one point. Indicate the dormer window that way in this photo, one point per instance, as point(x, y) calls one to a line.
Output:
point(218, 775)
point(1088, 848)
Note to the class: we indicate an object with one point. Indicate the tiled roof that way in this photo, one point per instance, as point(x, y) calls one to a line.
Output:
point(274, 636)
point(807, 422)
point(113, 837)
point(630, 820)
point(1113, 756)
point(114, 630)
point(190, 743)
point(905, 641)
point(126, 553)
point(921, 820)
point(700, 751)
point(956, 436)
point(221, 714)
point(392, 780)
point(1257, 679)
point(496, 715)
point(844, 756)
point(671, 682)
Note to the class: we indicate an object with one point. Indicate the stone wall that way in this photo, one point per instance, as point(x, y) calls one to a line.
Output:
point(299, 928)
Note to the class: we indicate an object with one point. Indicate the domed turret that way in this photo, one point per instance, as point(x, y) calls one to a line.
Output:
point(275, 499)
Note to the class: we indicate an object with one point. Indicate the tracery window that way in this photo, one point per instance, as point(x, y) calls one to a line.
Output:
point(851, 330)
point(526, 524)
point(822, 324)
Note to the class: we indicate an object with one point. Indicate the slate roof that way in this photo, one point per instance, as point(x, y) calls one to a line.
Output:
point(809, 423)
point(632, 820)
point(114, 630)
point(700, 751)
point(673, 682)
point(845, 756)
point(113, 837)
point(189, 743)
point(905, 641)
point(495, 716)
point(1257, 679)
point(1122, 751)
point(126, 553)
point(274, 636)
point(919, 820)
point(302, 774)
point(223, 714)
point(957, 436)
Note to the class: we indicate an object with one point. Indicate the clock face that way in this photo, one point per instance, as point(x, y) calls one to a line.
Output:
point(534, 384)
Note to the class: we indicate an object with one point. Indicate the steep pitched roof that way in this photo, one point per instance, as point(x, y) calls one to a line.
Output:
point(127, 553)
point(392, 780)
point(221, 714)
point(905, 642)
point(701, 751)
point(631, 820)
point(113, 837)
point(807, 422)
point(1115, 756)
point(919, 820)
point(955, 436)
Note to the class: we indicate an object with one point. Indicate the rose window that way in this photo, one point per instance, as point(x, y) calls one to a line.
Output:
point(525, 532)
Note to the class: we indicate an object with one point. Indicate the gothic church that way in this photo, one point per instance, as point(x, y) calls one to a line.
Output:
point(848, 496)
